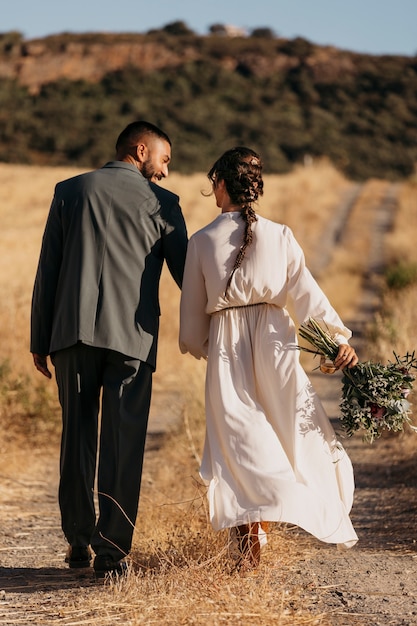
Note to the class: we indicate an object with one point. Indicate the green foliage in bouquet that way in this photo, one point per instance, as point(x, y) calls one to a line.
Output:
point(374, 396)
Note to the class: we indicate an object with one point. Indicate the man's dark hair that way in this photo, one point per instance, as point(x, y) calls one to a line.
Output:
point(135, 131)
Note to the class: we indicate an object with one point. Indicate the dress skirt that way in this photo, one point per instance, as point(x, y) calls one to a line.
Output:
point(270, 452)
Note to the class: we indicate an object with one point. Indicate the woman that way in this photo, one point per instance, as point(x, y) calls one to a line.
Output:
point(270, 452)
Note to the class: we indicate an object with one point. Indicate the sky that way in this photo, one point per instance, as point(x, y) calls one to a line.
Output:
point(368, 26)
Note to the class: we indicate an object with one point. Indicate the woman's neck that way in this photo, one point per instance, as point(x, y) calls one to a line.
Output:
point(230, 208)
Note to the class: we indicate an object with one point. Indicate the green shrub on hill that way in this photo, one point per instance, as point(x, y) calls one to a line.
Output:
point(358, 110)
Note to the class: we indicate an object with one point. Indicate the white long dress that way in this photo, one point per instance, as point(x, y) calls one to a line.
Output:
point(270, 452)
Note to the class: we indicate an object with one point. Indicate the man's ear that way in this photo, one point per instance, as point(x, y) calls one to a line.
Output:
point(141, 152)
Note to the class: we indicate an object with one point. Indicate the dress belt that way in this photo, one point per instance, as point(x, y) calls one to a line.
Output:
point(240, 306)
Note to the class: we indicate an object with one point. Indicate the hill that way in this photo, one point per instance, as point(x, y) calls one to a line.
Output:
point(64, 99)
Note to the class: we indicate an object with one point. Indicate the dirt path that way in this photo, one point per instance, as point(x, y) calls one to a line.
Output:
point(373, 584)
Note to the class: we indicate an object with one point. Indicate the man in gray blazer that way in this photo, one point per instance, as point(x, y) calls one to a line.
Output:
point(95, 312)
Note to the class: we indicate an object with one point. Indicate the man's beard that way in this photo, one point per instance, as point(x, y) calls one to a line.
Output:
point(149, 172)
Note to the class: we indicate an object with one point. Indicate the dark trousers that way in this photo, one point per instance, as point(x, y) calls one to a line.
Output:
point(85, 375)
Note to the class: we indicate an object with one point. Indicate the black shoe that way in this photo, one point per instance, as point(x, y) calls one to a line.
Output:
point(78, 556)
point(105, 564)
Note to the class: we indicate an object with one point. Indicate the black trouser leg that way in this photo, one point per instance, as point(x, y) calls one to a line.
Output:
point(127, 385)
point(78, 374)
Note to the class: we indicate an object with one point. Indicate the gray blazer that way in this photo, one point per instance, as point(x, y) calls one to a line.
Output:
point(107, 235)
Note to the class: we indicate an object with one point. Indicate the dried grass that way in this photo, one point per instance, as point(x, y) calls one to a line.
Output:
point(305, 200)
point(394, 327)
point(400, 244)
point(25, 196)
point(181, 570)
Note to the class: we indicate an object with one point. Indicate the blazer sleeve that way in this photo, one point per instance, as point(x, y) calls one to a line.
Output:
point(175, 238)
point(46, 281)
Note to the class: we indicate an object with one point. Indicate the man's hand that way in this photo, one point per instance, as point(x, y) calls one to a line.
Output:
point(41, 364)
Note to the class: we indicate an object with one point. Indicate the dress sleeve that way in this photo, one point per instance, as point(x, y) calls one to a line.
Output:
point(194, 321)
point(307, 297)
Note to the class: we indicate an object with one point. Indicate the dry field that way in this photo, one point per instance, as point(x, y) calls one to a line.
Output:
point(180, 569)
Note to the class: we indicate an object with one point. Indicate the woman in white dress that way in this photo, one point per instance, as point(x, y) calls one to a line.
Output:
point(270, 452)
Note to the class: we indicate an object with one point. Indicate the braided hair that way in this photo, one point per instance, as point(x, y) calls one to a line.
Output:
point(241, 170)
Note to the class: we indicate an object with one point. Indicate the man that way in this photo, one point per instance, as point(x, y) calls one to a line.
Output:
point(95, 311)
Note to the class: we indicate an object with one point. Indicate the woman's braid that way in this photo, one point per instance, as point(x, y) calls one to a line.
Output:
point(241, 170)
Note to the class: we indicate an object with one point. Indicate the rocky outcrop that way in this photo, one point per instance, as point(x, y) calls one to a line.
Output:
point(37, 62)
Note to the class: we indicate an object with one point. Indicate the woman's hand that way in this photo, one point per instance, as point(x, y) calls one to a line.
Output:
point(346, 357)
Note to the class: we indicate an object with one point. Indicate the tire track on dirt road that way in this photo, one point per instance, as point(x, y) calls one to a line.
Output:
point(374, 583)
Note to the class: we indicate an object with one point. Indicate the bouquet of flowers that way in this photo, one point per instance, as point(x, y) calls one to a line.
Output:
point(374, 396)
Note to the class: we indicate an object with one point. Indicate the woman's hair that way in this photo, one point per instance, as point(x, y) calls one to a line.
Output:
point(241, 170)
